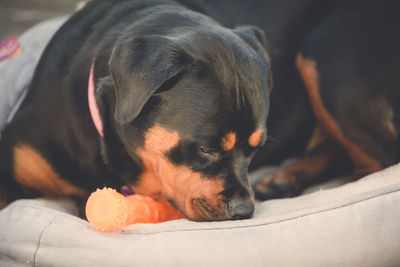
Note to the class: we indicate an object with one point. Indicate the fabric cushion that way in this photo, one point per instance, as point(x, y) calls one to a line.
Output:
point(16, 72)
point(356, 224)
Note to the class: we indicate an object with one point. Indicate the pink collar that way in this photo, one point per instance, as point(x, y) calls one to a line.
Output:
point(94, 109)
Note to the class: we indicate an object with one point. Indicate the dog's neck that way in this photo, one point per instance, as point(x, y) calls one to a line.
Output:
point(93, 108)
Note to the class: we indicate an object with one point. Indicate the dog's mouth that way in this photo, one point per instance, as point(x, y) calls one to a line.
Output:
point(203, 210)
point(200, 209)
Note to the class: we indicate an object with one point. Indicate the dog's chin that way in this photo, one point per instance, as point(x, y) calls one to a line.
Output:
point(202, 211)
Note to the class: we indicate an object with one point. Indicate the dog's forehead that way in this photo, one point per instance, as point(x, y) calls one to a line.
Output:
point(241, 72)
point(224, 91)
point(208, 112)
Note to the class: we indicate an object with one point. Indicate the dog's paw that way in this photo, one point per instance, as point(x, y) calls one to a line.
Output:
point(277, 185)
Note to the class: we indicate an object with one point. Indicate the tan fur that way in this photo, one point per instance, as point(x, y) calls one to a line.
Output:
point(363, 163)
point(33, 172)
point(308, 169)
point(178, 183)
point(229, 141)
point(255, 138)
point(3, 199)
point(318, 137)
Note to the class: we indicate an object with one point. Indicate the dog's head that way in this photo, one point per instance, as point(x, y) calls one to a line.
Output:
point(191, 110)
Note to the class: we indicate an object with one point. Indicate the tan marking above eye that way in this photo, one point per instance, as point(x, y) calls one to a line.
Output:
point(255, 137)
point(160, 140)
point(228, 141)
point(32, 171)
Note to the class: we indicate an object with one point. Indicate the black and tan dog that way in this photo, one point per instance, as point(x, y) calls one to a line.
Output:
point(183, 95)
point(335, 101)
point(346, 53)
point(182, 102)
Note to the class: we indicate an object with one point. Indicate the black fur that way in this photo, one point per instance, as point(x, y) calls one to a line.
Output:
point(155, 62)
point(197, 67)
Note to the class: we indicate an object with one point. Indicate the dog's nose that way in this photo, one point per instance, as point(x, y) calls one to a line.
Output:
point(240, 208)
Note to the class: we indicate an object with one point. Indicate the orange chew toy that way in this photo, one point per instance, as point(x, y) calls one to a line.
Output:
point(107, 210)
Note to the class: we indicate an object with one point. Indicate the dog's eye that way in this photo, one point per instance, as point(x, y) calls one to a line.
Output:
point(207, 151)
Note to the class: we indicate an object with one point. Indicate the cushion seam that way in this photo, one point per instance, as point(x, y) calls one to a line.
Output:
point(40, 238)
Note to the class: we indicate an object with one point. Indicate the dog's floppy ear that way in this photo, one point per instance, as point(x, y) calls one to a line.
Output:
point(255, 37)
point(141, 66)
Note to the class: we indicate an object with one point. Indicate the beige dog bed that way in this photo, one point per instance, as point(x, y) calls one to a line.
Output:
point(357, 224)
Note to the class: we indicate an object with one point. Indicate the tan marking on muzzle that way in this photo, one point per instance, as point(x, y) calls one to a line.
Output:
point(161, 178)
point(158, 140)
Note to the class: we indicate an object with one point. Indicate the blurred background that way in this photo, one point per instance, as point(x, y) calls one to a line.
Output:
point(18, 15)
